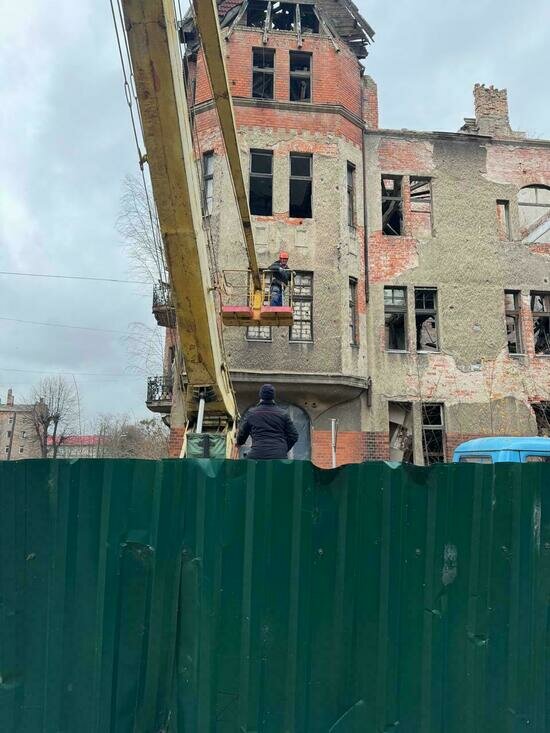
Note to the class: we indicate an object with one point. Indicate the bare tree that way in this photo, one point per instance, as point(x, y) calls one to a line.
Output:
point(145, 348)
point(54, 413)
point(121, 438)
point(138, 226)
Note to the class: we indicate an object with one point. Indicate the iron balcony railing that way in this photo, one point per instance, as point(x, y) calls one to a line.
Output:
point(163, 307)
point(159, 389)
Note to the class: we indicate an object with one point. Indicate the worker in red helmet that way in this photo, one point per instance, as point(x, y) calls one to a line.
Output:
point(280, 277)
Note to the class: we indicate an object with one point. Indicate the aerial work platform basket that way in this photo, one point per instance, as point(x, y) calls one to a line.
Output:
point(258, 310)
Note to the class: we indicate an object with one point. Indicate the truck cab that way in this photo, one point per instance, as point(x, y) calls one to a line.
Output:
point(500, 450)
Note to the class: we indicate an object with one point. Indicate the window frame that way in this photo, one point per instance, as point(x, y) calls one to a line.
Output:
point(262, 70)
point(416, 200)
point(207, 178)
point(391, 308)
point(351, 195)
point(545, 314)
point(433, 427)
point(291, 178)
point(353, 311)
point(527, 204)
point(506, 222)
point(300, 75)
point(429, 312)
point(514, 313)
point(252, 175)
point(300, 298)
point(385, 198)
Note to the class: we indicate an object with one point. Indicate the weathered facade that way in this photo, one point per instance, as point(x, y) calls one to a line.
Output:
point(401, 334)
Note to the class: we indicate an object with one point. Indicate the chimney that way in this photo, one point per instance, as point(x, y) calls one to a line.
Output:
point(10, 397)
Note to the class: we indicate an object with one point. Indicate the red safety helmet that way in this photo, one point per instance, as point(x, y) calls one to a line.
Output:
point(283, 255)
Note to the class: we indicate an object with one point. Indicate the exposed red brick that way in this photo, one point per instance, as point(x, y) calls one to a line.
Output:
point(390, 257)
point(370, 102)
point(175, 442)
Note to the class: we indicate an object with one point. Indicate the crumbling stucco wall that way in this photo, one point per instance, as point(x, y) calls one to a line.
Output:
point(485, 389)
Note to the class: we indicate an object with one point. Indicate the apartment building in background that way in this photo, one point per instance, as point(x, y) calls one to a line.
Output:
point(422, 294)
point(17, 433)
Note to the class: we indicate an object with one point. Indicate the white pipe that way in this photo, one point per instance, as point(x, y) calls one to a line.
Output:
point(334, 436)
point(200, 416)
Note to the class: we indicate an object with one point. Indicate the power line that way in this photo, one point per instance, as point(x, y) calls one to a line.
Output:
point(65, 325)
point(78, 374)
point(75, 277)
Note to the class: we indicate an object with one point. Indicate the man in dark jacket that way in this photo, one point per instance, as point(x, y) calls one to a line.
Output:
point(280, 277)
point(272, 431)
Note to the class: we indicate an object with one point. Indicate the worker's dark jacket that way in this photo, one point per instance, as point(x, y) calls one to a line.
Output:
point(273, 432)
point(280, 276)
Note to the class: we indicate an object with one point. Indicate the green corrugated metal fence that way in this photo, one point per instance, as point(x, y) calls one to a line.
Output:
point(198, 596)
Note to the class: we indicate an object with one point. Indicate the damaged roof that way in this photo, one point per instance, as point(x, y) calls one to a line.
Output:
point(341, 18)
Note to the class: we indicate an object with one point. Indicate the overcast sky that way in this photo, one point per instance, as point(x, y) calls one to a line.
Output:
point(67, 146)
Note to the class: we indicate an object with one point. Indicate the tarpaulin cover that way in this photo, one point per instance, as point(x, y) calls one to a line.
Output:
point(228, 596)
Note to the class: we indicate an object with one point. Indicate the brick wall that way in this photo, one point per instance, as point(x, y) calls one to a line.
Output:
point(335, 76)
point(176, 441)
point(352, 447)
point(370, 102)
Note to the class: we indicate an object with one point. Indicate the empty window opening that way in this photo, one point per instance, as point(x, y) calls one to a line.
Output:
point(24, 434)
point(534, 213)
point(208, 182)
point(309, 22)
point(256, 14)
point(395, 318)
point(421, 205)
point(9, 433)
point(392, 205)
point(425, 312)
point(300, 186)
point(503, 220)
point(261, 182)
point(512, 307)
point(542, 416)
point(21, 450)
point(401, 431)
point(300, 76)
point(353, 316)
point(263, 66)
point(433, 433)
point(540, 307)
point(283, 16)
point(302, 328)
point(351, 194)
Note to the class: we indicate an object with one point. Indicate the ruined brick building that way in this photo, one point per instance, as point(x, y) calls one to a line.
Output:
point(422, 299)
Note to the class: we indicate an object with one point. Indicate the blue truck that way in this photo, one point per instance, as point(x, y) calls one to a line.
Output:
point(500, 450)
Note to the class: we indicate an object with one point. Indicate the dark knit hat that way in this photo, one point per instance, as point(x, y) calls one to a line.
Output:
point(267, 393)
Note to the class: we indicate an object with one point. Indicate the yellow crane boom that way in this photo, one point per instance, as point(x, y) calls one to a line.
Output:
point(156, 61)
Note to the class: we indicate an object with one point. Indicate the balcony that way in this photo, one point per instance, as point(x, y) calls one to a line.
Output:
point(159, 394)
point(163, 308)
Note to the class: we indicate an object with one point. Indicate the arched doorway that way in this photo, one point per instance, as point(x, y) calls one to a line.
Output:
point(302, 450)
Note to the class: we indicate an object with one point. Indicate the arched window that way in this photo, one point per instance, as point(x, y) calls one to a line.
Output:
point(302, 450)
point(534, 213)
